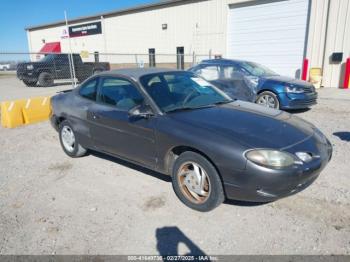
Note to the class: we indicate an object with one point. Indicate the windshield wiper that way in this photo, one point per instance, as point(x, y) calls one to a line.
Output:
point(225, 102)
point(188, 108)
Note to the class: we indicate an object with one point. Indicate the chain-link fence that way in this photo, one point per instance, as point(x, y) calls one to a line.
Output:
point(48, 69)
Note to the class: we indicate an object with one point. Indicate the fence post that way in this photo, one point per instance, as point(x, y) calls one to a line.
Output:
point(136, 60)
point(347, 74)
point(70, 56)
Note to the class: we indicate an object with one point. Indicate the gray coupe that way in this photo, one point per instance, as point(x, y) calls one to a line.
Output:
point(176, 123)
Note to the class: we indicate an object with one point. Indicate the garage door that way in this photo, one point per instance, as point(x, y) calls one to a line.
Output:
point(272, 33)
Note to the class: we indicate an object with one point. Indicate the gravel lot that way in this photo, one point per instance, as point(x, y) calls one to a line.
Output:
point(11, 88)
point(52, 204)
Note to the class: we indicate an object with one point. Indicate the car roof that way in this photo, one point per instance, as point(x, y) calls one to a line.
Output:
point(221, 61)
point(138, 72)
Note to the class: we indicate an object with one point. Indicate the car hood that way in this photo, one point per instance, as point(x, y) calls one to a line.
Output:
point(286, 79)
point(249, 124)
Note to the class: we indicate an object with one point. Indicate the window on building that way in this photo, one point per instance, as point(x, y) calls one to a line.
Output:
point(152, 57)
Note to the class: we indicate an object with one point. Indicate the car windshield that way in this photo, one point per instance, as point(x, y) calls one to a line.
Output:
point(47, 58)
point(256, 69)
point(173, 91)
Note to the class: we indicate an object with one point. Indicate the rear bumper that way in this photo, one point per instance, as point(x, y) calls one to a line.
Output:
point(54, 122)
point(297, 101)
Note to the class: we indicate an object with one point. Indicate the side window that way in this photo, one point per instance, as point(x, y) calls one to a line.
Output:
point(62, 59)
point(210, 73)
point(119, 93)
point(89, 89)
point(231, 72)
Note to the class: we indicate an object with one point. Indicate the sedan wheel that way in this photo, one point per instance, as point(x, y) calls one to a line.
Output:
point(69, 141)
point(68, 138)
point(196, 182)
point(268, 99)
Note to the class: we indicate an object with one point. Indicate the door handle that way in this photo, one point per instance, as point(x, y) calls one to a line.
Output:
point(92, 115)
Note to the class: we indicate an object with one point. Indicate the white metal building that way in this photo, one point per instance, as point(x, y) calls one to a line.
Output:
point(277, 33)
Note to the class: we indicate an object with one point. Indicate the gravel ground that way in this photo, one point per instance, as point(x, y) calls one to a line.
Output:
point(11, 88)
point(52, 204)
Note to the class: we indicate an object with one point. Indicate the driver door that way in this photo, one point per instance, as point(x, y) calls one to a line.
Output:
point(114, 131)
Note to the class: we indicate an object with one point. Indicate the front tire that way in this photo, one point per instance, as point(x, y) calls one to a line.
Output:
point(69, 141)
point(268, 99)
point(29, 83)
point(196, 182)
point(45, 79)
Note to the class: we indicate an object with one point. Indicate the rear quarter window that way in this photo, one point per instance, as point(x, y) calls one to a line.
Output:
point(89, 89)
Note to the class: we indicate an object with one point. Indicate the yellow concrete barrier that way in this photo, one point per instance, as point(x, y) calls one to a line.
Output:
point(25, 111)
point(36, 109)
point(11, 113)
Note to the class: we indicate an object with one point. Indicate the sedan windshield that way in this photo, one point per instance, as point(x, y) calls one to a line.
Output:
point(173, 91)
point(256, 69)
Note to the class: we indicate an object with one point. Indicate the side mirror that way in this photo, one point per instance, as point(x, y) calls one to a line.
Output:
point(141, 111)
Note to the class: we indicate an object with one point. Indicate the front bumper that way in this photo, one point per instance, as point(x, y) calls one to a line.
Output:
point(261, 184)
point(297, 101)
point(27, 75)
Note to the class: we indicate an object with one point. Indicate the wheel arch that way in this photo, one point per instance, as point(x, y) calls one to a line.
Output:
point(271, 91)
point(267, 90)
point(176, 151)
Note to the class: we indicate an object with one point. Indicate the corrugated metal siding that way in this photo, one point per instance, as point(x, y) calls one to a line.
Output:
point(193, 26)
point(329, 32)
point(338, 40)
point(317, 32)
point(200, 27)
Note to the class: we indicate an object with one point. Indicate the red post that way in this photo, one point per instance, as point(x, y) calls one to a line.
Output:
point(347, 74)
point(305, 69)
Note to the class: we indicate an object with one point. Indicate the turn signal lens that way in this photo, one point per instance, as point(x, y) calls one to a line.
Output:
point(305, 157)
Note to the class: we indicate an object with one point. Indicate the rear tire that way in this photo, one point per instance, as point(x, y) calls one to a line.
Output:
point(193, 172)
point(29, 83)
point(69, 142)
point(45, 79)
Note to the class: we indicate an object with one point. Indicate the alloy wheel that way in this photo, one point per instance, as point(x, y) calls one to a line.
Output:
point(267, 100)
point(68, 138)
point(194, 182)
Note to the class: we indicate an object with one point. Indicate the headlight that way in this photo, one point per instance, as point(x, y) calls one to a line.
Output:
point(293, 89)
point(30, 67)
point(271, 158)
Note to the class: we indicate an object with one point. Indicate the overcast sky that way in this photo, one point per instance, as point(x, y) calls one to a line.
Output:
point(15, 15)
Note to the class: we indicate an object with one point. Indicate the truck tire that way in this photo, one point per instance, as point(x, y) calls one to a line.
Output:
point(45, 79)
point(29, 83)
